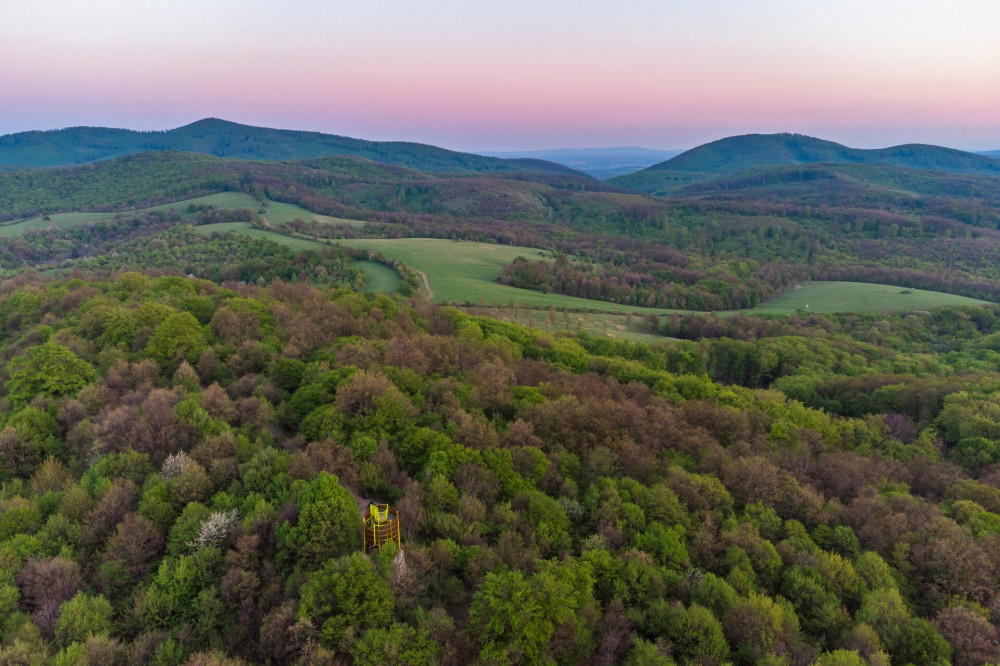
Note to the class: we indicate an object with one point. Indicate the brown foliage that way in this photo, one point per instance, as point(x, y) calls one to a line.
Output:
point(973, 639)
point(134, 544)
point(325, 456)
point(123, 377)
point(280, 638)
point(117, 501)
point(18, 455)
point(233, 327)
point(44, 586)
point(255, 413)
point(216, 402)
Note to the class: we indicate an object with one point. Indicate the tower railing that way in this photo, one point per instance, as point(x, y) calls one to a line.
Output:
point(381, 526)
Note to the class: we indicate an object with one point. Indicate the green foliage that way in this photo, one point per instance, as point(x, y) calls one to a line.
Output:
point(665, 545)
point(348, 593)
point(181, 591)
point(513, 618)
point(48, 370)
point(841, 658)
point(605, 497)
point(329, 524)
point(398, 645)
point(82, 617)
point(696, 636)
point(645, 653)
point(178, 338)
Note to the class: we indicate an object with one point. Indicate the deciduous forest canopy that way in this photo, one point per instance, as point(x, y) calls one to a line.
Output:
point(197, 398)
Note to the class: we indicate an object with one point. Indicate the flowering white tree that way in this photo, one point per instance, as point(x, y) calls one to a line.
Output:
point(214, 529)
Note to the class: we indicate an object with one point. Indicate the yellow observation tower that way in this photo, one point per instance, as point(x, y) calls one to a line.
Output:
point(381, 526)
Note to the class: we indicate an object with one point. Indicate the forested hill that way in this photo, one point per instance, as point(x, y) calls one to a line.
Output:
point(742, 153)
point(221, 138)
point(359, 185)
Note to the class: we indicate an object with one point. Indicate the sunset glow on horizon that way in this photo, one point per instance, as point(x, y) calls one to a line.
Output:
point(513, 75)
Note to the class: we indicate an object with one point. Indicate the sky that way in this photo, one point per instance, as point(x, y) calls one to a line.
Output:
point(513, 74)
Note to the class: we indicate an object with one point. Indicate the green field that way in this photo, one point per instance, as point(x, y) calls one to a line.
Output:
point(381, 278)
point(279, 213)
point(466, 272)
point(65, 220)
point(859, 297)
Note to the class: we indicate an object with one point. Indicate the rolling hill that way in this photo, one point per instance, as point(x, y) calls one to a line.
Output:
point(359, 185)
point(221, 138)
point(869, 185)
point(734, 155)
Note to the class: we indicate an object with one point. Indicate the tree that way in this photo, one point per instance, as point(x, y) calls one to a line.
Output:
point(329, 524)
point(399, 645)
point(515, 620)
point(48, 369)
point(346, 594)
point(970, 634)
point(81, 617)
point(696, 636)
point(179, 337)
point(841, 658)
point(506, 620)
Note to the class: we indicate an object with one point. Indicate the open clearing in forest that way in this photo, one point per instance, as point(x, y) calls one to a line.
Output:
point(458, 271)
point(380, 277)
point(279, 213)
point(66, 220)
point(825, 297)
point(466, 272)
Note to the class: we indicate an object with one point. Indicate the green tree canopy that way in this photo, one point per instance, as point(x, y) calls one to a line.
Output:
point(48, 369)
point(179, 337)
point(329, 524)
point(346, 593)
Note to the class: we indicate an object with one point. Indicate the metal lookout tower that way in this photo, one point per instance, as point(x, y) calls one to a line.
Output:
point(381, 526)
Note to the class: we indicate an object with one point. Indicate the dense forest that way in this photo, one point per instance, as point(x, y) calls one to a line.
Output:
point(183, 464)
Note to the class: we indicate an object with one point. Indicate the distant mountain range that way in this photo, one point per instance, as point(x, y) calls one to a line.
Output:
point(598, 162)
point(738, 154)
point(991, 153)
point(638, 169)
point(221, 138)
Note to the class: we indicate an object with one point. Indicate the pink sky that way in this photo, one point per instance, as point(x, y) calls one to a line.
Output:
point(513, 75)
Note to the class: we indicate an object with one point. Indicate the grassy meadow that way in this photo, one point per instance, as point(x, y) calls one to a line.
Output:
point(826, 297)
point(279, 213)
point(466, 272)
point(380, 278)
point(66, 220)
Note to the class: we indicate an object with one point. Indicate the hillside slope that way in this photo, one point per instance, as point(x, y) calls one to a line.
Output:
point(848, 184)
point(221, 138)
point(358, 184)
point(738, 154)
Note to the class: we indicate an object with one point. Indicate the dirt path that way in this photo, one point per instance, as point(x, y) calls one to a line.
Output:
point(425, 286)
